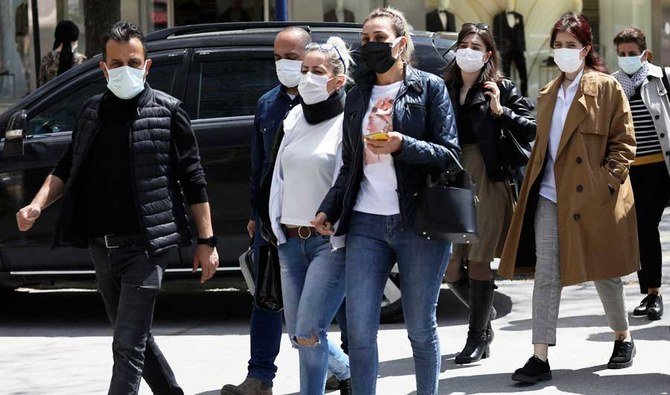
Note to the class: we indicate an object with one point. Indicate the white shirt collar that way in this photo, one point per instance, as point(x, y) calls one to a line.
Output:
point(570, 92)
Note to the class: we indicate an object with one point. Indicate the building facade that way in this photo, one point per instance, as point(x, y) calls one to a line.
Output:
point(17, 38)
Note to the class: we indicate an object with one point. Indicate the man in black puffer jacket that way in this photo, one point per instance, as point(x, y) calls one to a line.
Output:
point(133, 153)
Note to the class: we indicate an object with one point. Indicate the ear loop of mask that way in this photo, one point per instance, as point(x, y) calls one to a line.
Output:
point(395, 43)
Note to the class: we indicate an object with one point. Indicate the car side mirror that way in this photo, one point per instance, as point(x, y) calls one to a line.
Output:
point(15, 134)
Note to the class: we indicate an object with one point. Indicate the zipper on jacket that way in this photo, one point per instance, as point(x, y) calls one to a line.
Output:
point(133, 180)
point(351, 177)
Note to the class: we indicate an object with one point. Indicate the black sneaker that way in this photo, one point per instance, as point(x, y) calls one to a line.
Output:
point(654, 307)
point(641, 310)
point(533, 371)
point(622, 356)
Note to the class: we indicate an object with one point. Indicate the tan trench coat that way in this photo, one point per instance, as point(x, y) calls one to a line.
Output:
point(596, 216)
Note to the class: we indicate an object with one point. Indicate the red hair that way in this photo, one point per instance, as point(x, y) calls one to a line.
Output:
point(578, 26)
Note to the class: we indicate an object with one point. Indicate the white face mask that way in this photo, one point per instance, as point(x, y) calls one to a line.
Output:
point(470, 60)
point(568, 59)
point(288, 72)
point(126, 82)
point(313, 88)
point(630, 64)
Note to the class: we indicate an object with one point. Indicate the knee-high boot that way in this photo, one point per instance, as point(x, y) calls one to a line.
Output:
point(480, 333)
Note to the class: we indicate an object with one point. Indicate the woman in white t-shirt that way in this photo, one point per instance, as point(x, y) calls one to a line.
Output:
point(305, 167)
point(398, 128)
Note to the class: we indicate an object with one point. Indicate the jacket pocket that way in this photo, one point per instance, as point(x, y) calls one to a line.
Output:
point(608, 185)
point(413, 120)
point(589, 128)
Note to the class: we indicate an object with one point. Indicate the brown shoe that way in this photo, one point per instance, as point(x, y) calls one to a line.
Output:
point(250, 386)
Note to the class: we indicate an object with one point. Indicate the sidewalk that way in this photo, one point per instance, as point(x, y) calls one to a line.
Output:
point(210, 346)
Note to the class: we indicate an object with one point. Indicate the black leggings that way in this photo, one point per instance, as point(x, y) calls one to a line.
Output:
point(651, 188)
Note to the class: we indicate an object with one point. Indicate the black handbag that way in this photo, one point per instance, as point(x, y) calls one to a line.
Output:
point(447, 208)
point(514, 154)
point(268, 281)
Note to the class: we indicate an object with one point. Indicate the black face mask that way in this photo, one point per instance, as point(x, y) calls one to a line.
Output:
point(378, 56)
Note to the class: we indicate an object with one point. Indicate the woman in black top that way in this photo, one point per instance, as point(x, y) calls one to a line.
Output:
point(485, 102)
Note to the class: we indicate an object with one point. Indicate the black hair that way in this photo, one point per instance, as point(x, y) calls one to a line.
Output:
point(123, 31)
point(66, 33)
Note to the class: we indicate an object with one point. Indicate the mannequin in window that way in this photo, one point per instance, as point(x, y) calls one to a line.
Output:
point(508, 31)
point(440, 19)
point(235, 13)
point(339, 13)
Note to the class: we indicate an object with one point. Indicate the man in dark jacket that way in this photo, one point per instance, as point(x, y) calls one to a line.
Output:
point(132, 154)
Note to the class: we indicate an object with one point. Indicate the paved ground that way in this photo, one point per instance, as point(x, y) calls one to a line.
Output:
point(59, 343)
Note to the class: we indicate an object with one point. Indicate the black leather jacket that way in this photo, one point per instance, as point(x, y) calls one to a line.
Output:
point(422, 112)
point(517, 116)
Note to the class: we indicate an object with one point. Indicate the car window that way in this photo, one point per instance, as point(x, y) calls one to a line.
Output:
point(162, 77)
point(61, 115)
point(231, 87)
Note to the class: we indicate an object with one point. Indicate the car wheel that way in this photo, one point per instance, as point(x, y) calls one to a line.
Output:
point(391, 301)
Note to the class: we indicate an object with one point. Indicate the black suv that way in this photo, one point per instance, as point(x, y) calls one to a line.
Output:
point(219, 71)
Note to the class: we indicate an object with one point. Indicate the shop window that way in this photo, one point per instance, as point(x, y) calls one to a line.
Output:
point(232, 87)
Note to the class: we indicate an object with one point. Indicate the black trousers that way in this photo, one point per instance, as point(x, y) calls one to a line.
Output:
point(129, 281)
point(519, 60)
point(651, 188)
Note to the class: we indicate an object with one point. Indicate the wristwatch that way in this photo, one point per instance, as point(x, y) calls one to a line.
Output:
point(210, 241)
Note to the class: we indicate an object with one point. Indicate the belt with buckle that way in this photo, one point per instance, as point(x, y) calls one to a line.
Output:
point(117, 241)
point(304, 232)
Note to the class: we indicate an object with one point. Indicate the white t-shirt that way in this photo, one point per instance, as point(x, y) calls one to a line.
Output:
point(308, 161)
point(564, 100)
point(378, 194)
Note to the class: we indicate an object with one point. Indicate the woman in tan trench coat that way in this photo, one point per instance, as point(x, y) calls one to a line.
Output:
point(575, 218)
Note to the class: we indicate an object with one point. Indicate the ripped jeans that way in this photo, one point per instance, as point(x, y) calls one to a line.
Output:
point(129, 281)
point(312, 277)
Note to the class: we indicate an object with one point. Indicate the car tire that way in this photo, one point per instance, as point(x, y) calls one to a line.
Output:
point(391, 311)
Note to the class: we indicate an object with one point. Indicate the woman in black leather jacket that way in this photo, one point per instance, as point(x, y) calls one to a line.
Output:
point(485, 102)
point(398, 127)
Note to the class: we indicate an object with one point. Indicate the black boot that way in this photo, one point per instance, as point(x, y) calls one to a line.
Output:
point(461, 289)
point(480, 334)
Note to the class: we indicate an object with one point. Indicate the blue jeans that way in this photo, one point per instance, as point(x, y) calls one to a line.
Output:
point(374, 244)
point(129, 281)
point(312, 277)
point(265, 334)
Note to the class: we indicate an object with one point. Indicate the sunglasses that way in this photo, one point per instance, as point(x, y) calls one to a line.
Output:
point(478, 26)
point(327, 47)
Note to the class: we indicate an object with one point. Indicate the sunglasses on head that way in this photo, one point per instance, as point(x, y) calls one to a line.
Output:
point(478, 26)
point(327, 47)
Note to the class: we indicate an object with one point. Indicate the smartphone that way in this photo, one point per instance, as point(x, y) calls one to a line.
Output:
point(379, 136)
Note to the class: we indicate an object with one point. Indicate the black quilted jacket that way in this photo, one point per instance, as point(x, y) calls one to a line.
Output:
point(157, 170)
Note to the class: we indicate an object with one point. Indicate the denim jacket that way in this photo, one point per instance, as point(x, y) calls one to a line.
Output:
point(422, 112)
